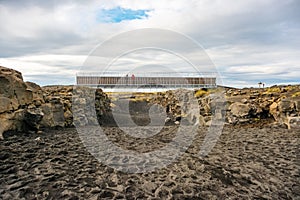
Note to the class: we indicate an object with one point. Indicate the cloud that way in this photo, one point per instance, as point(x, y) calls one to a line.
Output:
point(252, 64)
point(247, 40)
point(46, 69)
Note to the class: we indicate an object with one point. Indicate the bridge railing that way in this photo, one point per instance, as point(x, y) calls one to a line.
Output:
point(151, 80)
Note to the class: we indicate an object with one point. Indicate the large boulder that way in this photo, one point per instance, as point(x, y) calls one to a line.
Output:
point(15, 97)
point(238, 109)
point(286, 105)
point(32, 118)
point(13, 86)
point(11, 121)
point(53, 115)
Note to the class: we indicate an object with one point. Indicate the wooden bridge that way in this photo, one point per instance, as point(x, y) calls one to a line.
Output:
point(150, 80)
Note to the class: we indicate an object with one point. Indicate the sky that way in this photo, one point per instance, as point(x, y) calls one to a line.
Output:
point(248, 41)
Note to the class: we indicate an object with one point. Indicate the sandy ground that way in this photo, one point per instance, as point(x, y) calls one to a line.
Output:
point(246, 163)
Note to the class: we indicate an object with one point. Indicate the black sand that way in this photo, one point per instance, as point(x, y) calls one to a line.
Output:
point(246, 163)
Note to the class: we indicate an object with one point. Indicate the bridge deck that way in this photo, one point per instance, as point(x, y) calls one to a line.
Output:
point(138, 81)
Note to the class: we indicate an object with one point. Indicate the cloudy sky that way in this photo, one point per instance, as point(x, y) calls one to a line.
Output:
point(248, 41)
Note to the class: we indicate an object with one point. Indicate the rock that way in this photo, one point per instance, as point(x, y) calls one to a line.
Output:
point(231, 119)
point(22, 104)
point(5, 123)
point(7, 104)
point(11, 121)
point(86, 101)
point(32, 118)
point(67, 104)
point(294, 122)
point(53, 115)
point(168, 119)
point(55, 100)
point(265, 105)
point(243, 92)
point(244, 101)
point(286, 105)
point(26, 106)
point(81, 120)
point(14, 97)
point(202, 121)
point(204, 108)
point(13, 87)
point(37, 93)
point(254, 95)
point(239, 109)
point(68, 118)
point(297, 105)
point(274, 110)
point(255, 110)
point(20, 120)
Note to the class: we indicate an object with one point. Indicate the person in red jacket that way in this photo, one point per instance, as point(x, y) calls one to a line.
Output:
point(132, 78)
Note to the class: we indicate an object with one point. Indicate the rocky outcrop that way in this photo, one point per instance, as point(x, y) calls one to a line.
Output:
point(287, 112)
point(59, 102)
point(15, 97)
point(278, 104)
point(184, 104)
point(25, 106)
point(14, 88)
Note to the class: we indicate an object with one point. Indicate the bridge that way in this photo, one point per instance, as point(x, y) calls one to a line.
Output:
point(151, 80)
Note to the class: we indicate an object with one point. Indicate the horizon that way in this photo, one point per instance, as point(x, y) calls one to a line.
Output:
point(218, 85)
point(248, 42)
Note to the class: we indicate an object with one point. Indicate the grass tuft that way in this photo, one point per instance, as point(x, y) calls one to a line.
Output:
point(200, 93)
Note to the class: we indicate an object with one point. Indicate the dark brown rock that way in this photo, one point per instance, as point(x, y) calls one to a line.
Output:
point(32, 118)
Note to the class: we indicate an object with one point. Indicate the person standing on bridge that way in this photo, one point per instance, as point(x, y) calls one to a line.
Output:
point(126, 79)
point(132, 78)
